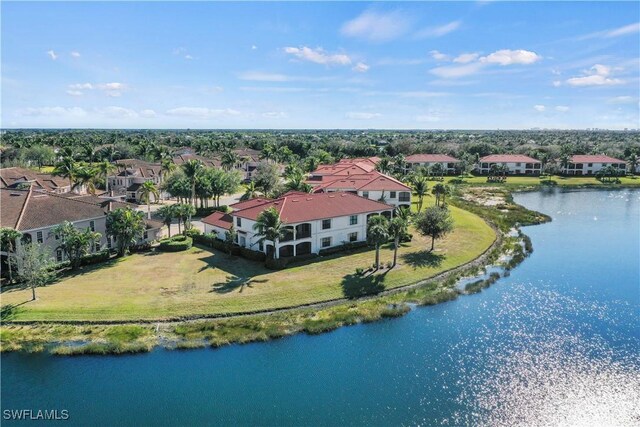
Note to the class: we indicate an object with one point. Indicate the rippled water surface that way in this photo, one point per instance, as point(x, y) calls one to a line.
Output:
point(556, 343)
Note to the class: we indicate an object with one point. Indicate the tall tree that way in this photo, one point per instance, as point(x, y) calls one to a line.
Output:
point(67, 167)
point(397, 229)
point(192, 169)
point(104, 169)
point(250, 191)
point(435, 222)
point(420, 187)
point(8, 239)
point(85, 178)
point(147, 190)
point(167, 213)
point(377, 234)
point(34, 265)
point(126, 226)
point(266, 177)
point(439, 190)
point(268, 226)
point(74, 243)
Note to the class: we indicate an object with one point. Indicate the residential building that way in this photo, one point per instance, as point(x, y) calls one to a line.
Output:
point(592, 164)
point(206, 161)
point(449, 165)
point(36, 213)
point(517, 164)
point(373, 186)
point(313, 221)
point(132, 173)
point(16, 177)
point(249, 160)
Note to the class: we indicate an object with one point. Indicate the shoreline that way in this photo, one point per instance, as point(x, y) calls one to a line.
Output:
point(135, 336)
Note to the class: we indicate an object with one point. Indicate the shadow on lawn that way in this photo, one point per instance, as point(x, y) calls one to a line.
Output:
point(233, 283)
point(356, 286)
point(423, 258)
point(9, 311)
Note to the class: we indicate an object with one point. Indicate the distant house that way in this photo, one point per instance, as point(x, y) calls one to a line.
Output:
point(249, 160)
point(206, 161)
point(35, 213)
point(16, 177)
point(517, 164)
point(592, 164)
point(313, 221)
point(450, 165)
point(359, 176)
point(131, 175)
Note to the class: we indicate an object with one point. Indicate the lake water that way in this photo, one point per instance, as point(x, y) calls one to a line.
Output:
point(556, 343)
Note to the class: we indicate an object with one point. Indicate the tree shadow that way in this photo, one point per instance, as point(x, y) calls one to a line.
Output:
point(9, 311)
point(356, 286)
point(423, 258)
point(234, 282)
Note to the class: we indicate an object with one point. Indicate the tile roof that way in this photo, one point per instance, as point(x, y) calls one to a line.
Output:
point(365, 182)
point(44, 181)
point(208, 162)
point(343, 169)
point(594, 159)
point(312, 207)
point(28, 209)
point(431, 158)
point(249, 203)
point(219, 219)
point(508, 158)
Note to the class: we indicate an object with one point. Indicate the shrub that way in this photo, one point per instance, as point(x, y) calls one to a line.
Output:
point(175, 244)
point(253, 255)
point(208, 211)
point(96, 258)
point(276, 264)
point(359, 271)
point(348, 246)
point(192, 232)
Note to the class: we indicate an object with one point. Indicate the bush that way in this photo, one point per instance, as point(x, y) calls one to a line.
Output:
point(359, 271)
point(192, 232)
point(175, 244)
point(253, 255)
point(142, 247)
point(276, 264)
point(201, 212)
point(96, 258)
point(349, 246)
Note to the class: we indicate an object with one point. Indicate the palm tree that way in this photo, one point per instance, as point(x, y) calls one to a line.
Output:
point(8, 238)
point(167, 213)
point(439, 190)
point(250, 191)
point(420, 187)
point(147, 190)
point(126, 226)
point(397, 229)
point(269, 227)
point(86, 177)
point(229, 160)
point(67, 168)
point(377, 234)
point(192, 169)
point(633, 162)
point(384, 165)
point(104, 170)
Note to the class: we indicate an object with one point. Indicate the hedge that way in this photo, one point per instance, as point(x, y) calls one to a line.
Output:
point(344, 247)
point(101, 256)
point(175, 244)
point(208, 211)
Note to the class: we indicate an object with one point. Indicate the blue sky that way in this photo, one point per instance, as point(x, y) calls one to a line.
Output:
point(476, 65)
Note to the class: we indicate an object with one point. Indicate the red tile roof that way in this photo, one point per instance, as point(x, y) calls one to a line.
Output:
point(431, 158)
point(313, 207)
point(374, 181)
point(594, 159)
point(343, 169)
point(249, 203)
point(508, 158)
point(219, 219)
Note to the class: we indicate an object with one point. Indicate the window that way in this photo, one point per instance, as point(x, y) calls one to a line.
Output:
point(261, 246)
point(146, 235)
point(239, 222)
point(56, 236)
point(517, 164)
point(59, 255)
point(109, 242)
point(39, 237)
point(392, 194)
point(365, 194)
point(326, 224)
point(590, 164)
point(353, 219)
point(353, 237)
point(325, 242)
point(405, 196)
point(92, 225)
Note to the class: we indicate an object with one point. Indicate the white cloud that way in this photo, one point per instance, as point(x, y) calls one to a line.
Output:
point(254, 47)
point(275, 115)
point(189, 57)
point(623, 31)
point(439, 56)
point(622, 100)
point(425, 118)
point(539, 108)
point(318, 56)
point(118, 113)
point(377, 26)
point(181, 51)
point(75, 54)
point(466, 57)
point(148, 114)
point(81, 86)
point(361, 67)
point(75, 92)
point(52, 54)
point(438, 31)
point(362, 116)
point(259, 76)
point(557, 83)
point(53, 112)
point(510, 57)
point(202, 112)
point(111, 86)
point(455, 71)
point(562, 108)
point(598, 75)
point(110, 89)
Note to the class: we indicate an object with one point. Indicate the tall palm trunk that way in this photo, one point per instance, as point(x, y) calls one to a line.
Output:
point(33, 293)
point(433, 242)
point(396, 243)
point(377, 256)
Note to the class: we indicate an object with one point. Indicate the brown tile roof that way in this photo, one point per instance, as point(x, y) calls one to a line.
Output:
point(219, 219)
point(594, 159)
point(37, 210)
point(312, 207)
point(431, 158)
point(508, 158)
point(343, 169)
point(374, 181)
point(208, 162)
point(44, 181)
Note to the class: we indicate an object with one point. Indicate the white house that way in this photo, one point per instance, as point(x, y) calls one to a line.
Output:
point(517, 164)
point(592, 164)
point(132, 174)
point(448, 164)
point(314, 221)
point(373, 186)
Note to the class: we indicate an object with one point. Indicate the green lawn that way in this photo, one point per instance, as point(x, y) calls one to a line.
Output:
point(560, 180)
point(203, 281)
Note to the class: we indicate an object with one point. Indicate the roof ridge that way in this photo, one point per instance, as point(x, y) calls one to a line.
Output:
point(24, 207)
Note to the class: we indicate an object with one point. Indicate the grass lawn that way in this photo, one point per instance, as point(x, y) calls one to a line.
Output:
point(560, 180)
point(203, 281)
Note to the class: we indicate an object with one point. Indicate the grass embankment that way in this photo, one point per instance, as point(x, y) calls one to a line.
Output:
point(200, 282)
point(554, 180)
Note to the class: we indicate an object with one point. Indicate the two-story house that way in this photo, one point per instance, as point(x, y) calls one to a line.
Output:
point(131, 174)
point(16, 177)
point(313, 221)
point(373, 186)
point(448, 164)
point(517, 164)
point(592, 164)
